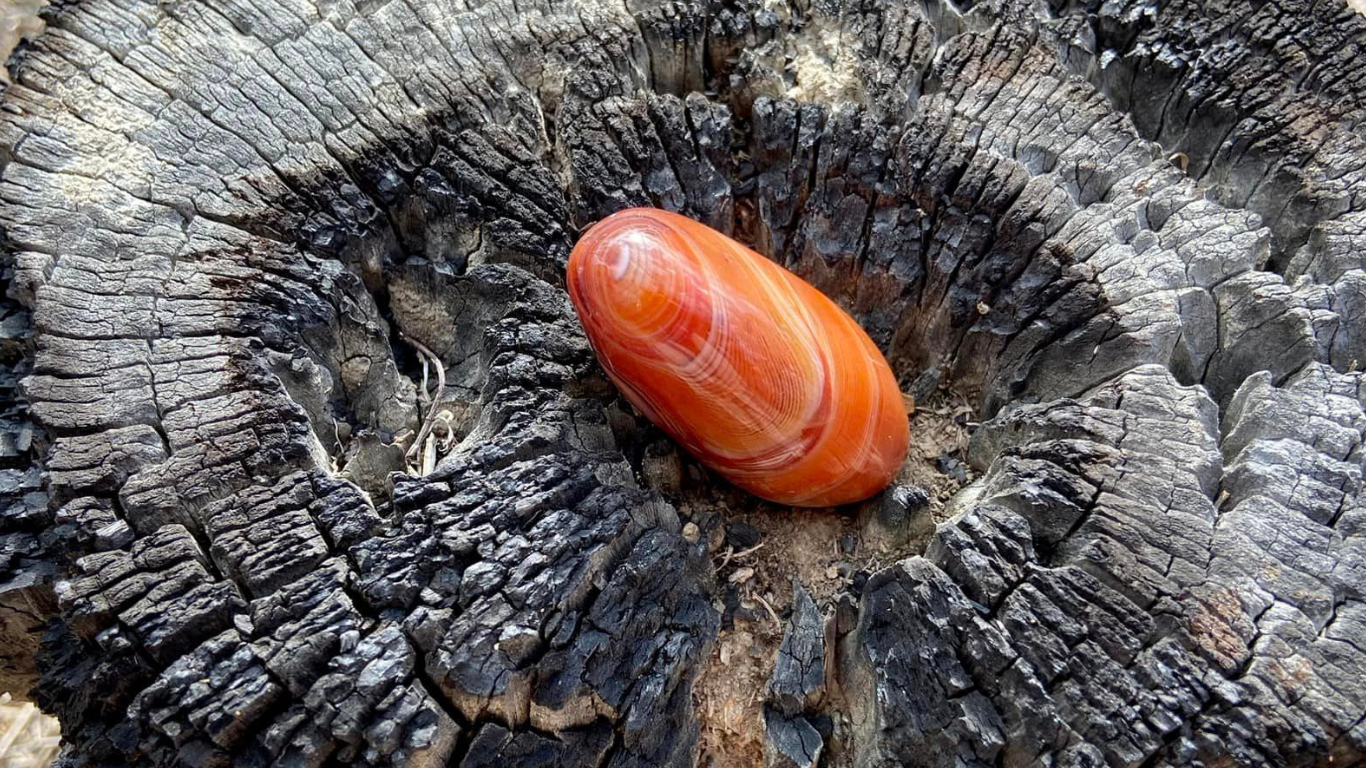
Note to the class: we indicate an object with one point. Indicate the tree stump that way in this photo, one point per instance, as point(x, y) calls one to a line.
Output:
point(243, 236)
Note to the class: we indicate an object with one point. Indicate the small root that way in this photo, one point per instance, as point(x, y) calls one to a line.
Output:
point(419, 444)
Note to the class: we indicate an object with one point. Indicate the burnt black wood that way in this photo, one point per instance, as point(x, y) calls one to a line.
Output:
point(1136, 232)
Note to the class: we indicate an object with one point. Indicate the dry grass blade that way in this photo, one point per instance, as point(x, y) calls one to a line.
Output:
point(28, 738)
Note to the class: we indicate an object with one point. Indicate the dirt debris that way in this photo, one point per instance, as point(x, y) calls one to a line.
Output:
point(821, 548)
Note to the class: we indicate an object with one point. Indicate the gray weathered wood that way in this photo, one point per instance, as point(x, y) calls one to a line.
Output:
point(1133, 232)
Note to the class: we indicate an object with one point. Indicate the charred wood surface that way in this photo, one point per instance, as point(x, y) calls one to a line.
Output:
point(245, 238)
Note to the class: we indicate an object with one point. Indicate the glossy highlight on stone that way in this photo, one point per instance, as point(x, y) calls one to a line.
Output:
point(746, 365)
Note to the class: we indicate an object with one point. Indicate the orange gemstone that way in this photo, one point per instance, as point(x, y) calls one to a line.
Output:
point(747, 366)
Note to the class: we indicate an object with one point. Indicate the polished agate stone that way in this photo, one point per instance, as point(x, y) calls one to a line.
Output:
point(747, 366)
